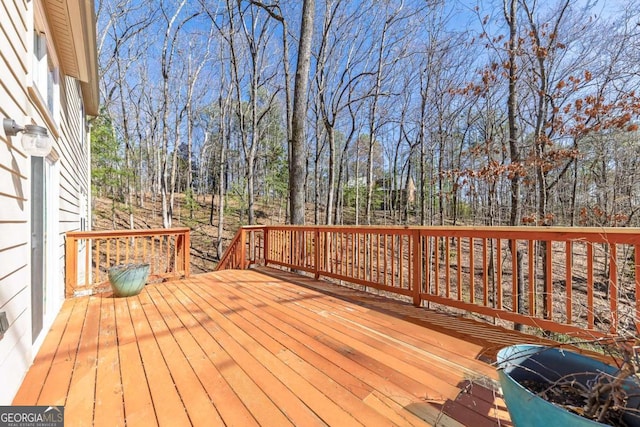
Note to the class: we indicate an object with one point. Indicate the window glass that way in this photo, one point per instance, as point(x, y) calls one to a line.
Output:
point(45, 74)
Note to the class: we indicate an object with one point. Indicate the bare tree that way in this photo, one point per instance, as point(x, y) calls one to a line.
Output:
point(193, 75)
point(390, 50)
point(169, 45)
point(124, 25)
point(532, 143)
point(339, 70)
point(511, 16)
point(297, 166)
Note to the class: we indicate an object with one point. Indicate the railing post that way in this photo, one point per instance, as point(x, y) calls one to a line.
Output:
point(71, 265)
point(548, 286)
point(265, 232)
point(243, 248)
point(316, 249)
point(179, 251)
point(186, 252)
point(613, 287)
point(636, 316)
point(417, 268)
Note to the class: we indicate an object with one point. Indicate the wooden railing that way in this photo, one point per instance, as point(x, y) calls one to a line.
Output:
point(89, 254)
point(245, 250)
point(579, 281)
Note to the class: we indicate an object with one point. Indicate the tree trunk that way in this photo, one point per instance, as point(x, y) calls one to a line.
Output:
point(331, 184)
point(316, 174)
point(221, 189)
point(297, 170)
point(512, 107)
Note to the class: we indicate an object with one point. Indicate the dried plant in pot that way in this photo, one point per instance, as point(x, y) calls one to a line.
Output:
point(128, 279)
point(553, 386)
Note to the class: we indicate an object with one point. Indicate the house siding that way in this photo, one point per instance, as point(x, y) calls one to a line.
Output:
point(15, 347)
point(71, 153)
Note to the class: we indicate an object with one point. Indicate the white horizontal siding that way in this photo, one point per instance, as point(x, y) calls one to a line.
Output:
point(12, 183)
point(15, 295)
point(16, 348)
point(13, 35)
point(73, 162)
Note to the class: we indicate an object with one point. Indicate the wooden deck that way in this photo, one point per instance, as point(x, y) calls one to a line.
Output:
point(265, 348)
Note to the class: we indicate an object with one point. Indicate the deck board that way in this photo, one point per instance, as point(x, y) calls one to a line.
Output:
point(108, 396)
point(31, 387)
point(167, 402)
point(260, 390)
point(318, 391)
point(138, 404)
point(59, 377)
point(386, 360)
point(177, 351)
point(84, 373)
point(243, 348)
point(219, 379)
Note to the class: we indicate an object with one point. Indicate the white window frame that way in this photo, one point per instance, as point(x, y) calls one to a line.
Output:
point(45, 70)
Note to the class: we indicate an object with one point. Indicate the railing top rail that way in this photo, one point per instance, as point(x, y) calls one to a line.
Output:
point(587, 230)
point(360, 228)
point(253, 227)
point(592, 234)
point(127, 233)
point(226, 256)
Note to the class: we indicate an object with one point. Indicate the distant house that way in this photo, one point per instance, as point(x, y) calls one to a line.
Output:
point(48, 78)
point(400, 196)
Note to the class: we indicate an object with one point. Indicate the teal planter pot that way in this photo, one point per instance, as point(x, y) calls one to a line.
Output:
point(543, 364)
point(128, 279)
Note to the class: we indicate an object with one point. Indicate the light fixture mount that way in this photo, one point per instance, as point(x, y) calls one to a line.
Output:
point(11, 128)
point(35, 139)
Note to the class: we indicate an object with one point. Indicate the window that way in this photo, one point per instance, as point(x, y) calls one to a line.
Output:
point(45, 75)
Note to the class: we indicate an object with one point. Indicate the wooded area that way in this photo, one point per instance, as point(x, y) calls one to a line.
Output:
point(416, 112)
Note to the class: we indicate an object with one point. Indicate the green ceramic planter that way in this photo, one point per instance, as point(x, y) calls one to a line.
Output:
point(538, 363)
point(128, 279)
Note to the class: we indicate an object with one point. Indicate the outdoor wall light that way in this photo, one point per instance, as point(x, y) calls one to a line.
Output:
point(35, 139)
